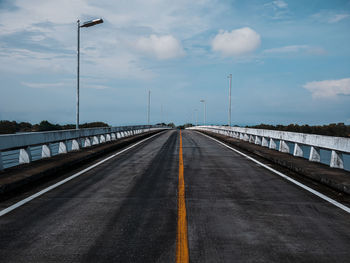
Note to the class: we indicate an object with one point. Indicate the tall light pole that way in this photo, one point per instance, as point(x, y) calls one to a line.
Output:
point(149, 107)
point(85, 24)
point(196, 112)
point(229, 101)
point(205, 110)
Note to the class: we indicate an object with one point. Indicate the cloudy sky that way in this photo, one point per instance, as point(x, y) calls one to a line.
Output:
point(290, 61)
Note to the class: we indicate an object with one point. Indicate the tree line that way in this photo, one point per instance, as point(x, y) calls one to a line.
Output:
point(333, 129)
point(8, 127)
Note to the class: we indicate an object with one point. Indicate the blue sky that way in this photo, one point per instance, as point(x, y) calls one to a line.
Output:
point(290, 61)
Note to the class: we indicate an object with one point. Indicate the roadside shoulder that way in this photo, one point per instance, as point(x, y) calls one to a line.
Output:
point(337, 179)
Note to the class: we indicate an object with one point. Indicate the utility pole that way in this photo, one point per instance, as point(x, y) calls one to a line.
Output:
point(78, 76)
point(229, 101)
point(196, 112)
point(205, 111)
point(149, 107)
point(161, 113)
point(85, 24)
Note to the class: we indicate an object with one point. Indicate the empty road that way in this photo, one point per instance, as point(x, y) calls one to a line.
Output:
point(161, 196)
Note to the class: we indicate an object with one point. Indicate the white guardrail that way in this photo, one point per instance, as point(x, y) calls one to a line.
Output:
point(269, 138)
point(26, 147)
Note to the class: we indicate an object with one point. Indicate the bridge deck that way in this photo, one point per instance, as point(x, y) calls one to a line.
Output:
point(125, 210)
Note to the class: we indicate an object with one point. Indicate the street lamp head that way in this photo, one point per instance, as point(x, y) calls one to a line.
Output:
point(202, 100)
point(92, 22)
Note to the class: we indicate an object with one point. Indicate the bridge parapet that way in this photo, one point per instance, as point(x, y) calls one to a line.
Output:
point(289, 142)
point(26, 147)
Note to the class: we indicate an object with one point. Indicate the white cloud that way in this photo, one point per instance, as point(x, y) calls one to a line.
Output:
point(287, 49)
point(328, 88)
point(295, 49)
point(46, 34)
point(43, 85)
point(329, 16)
point(280, 4)
point(98, 87)
point(237, 42)
point(162, 47)
point(338, 17)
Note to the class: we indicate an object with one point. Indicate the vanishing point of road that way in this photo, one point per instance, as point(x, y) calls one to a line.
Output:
point(176, 197)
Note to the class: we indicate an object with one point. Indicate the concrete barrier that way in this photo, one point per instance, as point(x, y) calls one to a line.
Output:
point(77, 139)
point(269, 138)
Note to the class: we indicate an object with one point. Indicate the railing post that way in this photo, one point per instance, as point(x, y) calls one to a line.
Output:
point(108, 137)
point(283, 147)
point(264, 142)
point(315, 154)
point(75, 144)
point(95, 140)
point(102, 138)
point(251, 139)
point(257, 140)
point(46, 151)
point(272, 144)
point(298, 151)
point(245, 137)
point(337, 160)
point(62, 147)
point(113, 136)
point(87, 142)
point(25, 155)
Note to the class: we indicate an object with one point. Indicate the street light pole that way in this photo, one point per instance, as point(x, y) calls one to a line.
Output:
point(78, 76)
point(196, 112)
point(149, 107)
point(229, 101)
point(205, 111)
point(85, 24)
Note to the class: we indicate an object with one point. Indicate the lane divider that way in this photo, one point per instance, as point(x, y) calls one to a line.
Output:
point(30, 198)
point(320, 195)
point(182, 255)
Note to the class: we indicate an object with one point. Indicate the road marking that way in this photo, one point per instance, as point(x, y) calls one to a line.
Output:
point(30, 198)
point(181, 236)
point(322, 196)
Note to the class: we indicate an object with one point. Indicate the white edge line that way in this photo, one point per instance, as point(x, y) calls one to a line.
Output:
point(322, 196)
point(30, 198)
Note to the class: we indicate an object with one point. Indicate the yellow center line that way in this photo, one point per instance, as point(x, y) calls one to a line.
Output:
point(181, 237)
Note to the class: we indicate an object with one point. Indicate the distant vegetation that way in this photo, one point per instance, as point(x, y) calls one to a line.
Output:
point(172, 125)
point(7, 127)
point(187, 125)
point(333, 129)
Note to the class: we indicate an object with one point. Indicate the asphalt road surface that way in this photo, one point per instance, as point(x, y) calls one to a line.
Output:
point(126, 210)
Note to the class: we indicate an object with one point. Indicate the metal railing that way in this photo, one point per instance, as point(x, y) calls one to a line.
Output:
point(22, 148)
point(289, 142)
